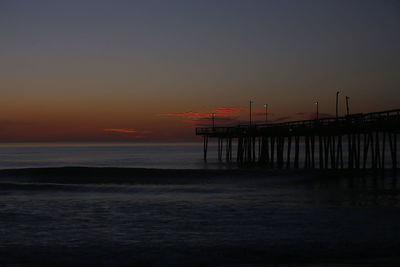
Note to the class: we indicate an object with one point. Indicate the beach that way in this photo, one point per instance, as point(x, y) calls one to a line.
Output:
point(103, 216)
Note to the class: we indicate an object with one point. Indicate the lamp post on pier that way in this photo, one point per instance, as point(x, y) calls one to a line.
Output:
point(266, 113)
point(316, 103)
point(250, 112)
point(347, 105)
point(337, 104)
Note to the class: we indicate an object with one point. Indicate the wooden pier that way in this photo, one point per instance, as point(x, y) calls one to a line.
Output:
point(353, 141)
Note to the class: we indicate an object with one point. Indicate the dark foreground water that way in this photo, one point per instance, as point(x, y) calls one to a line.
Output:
point(205, 217)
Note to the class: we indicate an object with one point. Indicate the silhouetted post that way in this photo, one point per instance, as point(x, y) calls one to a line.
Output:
point(333, 153)
point(227, 149)
point(307, 152)
point(316, 103)
point(312, 151)
point(230, 149)
point(296, 153)
point(374, 126)
point(279, 150)
point(272, 150)
point(371, 138)
point(327, 141)
point(288, 151)
point(213, 121)
point(250, 113)
point(393, 148)
point(239, 157)
point(266, 113)
point(254, 148)
point(249, 150)
point(354, 152)
point(205, 146)
point(366, 145)
point(267, 150)
point(339, 157)
point(337, 104)
point(377, 150)
point(350, 151)
point(220, 144)
point(358, 150)
point(347, 105)
point(246, 148)
point(383, 149)
point(282, 145)
point(321, 152)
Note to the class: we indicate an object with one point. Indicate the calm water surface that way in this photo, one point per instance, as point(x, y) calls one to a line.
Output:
point(217, 217)
point(141, 155)
point(133, 155)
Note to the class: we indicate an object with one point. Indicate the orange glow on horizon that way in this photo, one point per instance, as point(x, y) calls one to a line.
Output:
point(121, 130)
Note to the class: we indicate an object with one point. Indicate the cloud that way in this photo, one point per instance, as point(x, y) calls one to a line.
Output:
point(131, 131)
point(229, 110)
point(232, 116)
point(194, 114)
point(223, 115)
point(218, 121)
point(185, 115)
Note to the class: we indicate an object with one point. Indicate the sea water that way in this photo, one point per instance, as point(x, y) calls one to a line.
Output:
point(137, 155)
point(187, 155)
point(185, 217)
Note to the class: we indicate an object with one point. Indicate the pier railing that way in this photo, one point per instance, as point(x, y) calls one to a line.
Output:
point(361, 121)
point(374, 127)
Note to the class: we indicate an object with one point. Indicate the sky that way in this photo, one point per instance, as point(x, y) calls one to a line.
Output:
point(154, 70)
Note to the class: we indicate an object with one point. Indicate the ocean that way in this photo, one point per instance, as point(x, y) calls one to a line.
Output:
point(129, 155)
point(160, 204)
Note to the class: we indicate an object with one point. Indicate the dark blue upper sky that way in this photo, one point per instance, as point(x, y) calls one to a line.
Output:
point(171, 56)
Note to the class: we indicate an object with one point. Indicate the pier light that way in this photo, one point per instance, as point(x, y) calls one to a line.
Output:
point(251, 102)
point(337, 104)
point(316, 103)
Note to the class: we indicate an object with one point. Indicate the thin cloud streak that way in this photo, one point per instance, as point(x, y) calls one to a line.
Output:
point(131, 131)
point(233, 116)
point(194, 114)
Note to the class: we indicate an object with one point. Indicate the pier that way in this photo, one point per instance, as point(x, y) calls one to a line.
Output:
point(352, 141)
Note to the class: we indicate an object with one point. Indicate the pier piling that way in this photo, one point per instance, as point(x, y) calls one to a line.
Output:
point(270, 145)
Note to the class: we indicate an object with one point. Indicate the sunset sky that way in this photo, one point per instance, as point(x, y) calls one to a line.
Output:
point(154, 70)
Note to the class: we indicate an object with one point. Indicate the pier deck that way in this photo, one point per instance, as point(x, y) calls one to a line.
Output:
point(353, 141)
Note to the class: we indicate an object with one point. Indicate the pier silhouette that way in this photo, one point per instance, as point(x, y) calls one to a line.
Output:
point(352, 141)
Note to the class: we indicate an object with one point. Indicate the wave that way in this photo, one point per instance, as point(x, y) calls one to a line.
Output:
point(110, 175)
point(122, 176)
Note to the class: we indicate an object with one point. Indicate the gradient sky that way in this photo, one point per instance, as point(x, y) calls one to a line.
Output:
point(154, 70)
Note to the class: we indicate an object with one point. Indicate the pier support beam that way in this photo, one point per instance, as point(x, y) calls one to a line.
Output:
point(288, 151)
point(368, 136)
point(205, 147)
